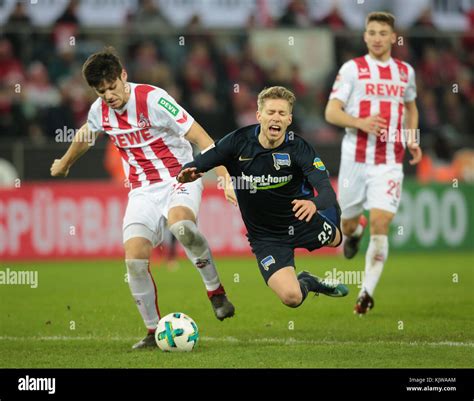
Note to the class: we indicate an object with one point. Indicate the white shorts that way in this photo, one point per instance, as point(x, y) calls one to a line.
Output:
point(148, 207)
point(368, 186)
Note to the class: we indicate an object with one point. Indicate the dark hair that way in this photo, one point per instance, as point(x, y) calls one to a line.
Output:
point(381, 16)
point(104, 66)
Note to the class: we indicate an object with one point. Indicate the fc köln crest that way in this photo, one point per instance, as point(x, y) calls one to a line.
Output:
point(403, 76)
point(143, 122)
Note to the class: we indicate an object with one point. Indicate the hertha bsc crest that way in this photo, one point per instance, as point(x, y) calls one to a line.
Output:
point(281, 159)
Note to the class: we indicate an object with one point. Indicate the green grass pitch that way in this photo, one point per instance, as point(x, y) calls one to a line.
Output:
point(82, 315)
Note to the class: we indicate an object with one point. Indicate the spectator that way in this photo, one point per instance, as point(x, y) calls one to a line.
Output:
point(150, 18)
point(18, 30)
point(11, 89)
point(296, 15)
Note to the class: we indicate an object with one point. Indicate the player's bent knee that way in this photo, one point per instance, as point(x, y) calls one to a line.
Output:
point(186, 232)
point(349, 225)
point(138, 248)
point(291, 298)
point(180, 213)
point(137, 267)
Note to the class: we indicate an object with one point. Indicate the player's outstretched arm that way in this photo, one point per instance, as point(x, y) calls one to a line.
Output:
point(336, 115)
point(81, 143)
point(198, 136)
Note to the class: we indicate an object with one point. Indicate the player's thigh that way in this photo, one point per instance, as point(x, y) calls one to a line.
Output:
point(384, 190)
point(271, 257)
point(184, 202)
point(143, 219)
point(285, 285)
point(352, 189)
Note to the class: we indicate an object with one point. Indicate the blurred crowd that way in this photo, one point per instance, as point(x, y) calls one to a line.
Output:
point(216, 77)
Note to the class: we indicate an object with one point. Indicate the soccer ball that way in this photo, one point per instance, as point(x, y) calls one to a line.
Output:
point(176, 332)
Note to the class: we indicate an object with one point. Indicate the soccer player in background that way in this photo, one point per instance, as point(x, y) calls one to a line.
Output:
point(373, 97)
point(274, 172)
point(153, 134)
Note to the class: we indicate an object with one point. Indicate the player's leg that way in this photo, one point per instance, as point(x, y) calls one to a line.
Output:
point(293, 290)
point(384, 195)
point(286, 286)
point(375, 258)
point(276, 264)
point(183, 209)
point(352, 195)
point(139, 237)
point(140, 280)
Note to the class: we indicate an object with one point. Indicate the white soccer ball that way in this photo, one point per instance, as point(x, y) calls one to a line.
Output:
point(176, 332)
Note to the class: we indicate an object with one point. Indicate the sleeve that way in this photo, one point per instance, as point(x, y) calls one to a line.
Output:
point(94, 119)
point(317, 175)
point(344, 83)
point(218, 155)
point(410, 92)
point(165, 112)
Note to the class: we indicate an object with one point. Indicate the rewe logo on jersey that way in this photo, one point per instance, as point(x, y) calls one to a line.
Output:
point(132, 138)
point(385, 90)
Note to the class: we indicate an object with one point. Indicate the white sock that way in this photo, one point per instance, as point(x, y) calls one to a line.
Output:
point(375, 258)
point(143, 290)
point(198, 252)
point(358, 231)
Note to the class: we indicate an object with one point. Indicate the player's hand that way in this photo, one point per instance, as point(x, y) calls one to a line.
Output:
point(188, 175)
point(372, 124)
point(59, 168)
point(230, 193)
point(304, 209)
point(416, 153)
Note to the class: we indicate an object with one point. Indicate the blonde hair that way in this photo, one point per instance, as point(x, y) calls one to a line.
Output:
point(276, 92)
point(381, 16)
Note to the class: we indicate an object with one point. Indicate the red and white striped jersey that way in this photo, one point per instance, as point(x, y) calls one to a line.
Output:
point(367, 87)
point(149, 133)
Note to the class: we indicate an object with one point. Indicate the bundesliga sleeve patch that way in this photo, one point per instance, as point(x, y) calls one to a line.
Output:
point(318, 163)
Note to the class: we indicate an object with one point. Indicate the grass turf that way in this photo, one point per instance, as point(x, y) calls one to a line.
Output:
point(82, 315)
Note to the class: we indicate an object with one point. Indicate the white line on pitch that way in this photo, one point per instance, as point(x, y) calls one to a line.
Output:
point(235, 340)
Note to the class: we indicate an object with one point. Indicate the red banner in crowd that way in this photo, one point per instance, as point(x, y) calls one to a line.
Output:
point(84, 220)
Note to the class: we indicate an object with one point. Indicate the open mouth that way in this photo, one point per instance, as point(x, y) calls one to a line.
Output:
point(274, 129)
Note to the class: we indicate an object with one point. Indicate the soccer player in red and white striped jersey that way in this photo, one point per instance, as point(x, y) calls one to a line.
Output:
point(153, 134)
point(373, 97)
